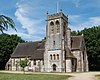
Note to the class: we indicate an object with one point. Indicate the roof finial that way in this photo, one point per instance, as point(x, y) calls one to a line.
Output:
point(60, 10)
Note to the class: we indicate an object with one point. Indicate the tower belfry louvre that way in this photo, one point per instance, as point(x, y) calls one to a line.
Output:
point(60, 52)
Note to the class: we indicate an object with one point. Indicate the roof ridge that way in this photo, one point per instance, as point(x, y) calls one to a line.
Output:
point(77, 36)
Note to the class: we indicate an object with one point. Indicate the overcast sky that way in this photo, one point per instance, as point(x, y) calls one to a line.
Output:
point(30, 15)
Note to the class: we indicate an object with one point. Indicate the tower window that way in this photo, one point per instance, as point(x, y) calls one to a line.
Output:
point(50, 57)
point(53, 42)
point(51, 24)
point(57, 56)
point(54, 57)
point(58, 26)
point(57, 22)
point(52, 27)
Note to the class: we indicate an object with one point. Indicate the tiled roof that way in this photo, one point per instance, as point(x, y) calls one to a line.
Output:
point(76, 42)
point(34, 50)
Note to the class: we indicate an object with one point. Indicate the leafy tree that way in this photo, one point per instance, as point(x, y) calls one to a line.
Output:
point(92, 38)
point(23, 63)
point(6, 22)
point(73, 33)
point(7, 46)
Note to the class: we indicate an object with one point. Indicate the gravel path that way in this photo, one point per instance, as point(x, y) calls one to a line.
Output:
point(84, 76)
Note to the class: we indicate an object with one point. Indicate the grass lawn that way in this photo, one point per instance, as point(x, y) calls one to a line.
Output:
point(98, 77)
point(11, 76)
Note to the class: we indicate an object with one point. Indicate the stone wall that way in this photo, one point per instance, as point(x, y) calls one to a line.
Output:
point(80, 62)
point(68, 65)
point(14, 65)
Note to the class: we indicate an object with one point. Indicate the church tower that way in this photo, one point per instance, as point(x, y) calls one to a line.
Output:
point(56, 42)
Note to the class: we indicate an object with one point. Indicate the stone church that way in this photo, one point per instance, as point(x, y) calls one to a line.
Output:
point(60, 52)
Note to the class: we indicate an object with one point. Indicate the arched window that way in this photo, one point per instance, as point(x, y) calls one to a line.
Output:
point(50, 57)
point(34, 62)
point(57, 56)
point(53, 42)
point(54, 57)
point(52, 27)
point(58, 26)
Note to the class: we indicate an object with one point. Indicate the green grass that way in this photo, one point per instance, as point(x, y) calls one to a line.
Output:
point(98, 77)
point(10, 76)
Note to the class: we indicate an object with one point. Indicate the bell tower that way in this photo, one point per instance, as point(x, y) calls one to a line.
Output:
point(56, 41)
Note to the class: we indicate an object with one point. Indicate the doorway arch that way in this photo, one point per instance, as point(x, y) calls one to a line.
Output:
point(54, 67)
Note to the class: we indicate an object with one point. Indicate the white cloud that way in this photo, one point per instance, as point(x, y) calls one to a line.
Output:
point(25, 36)
point(74, 21)
point(73, 17)
point(76, 2)
point(90, 22)
point(35, 27)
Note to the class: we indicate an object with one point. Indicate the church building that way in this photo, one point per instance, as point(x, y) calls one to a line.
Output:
point(60, 52)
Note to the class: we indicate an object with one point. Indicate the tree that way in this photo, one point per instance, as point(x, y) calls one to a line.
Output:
point(7, 45)
point(73, 33)
point(23, 63)
point(92, 39)
point(6, 22)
